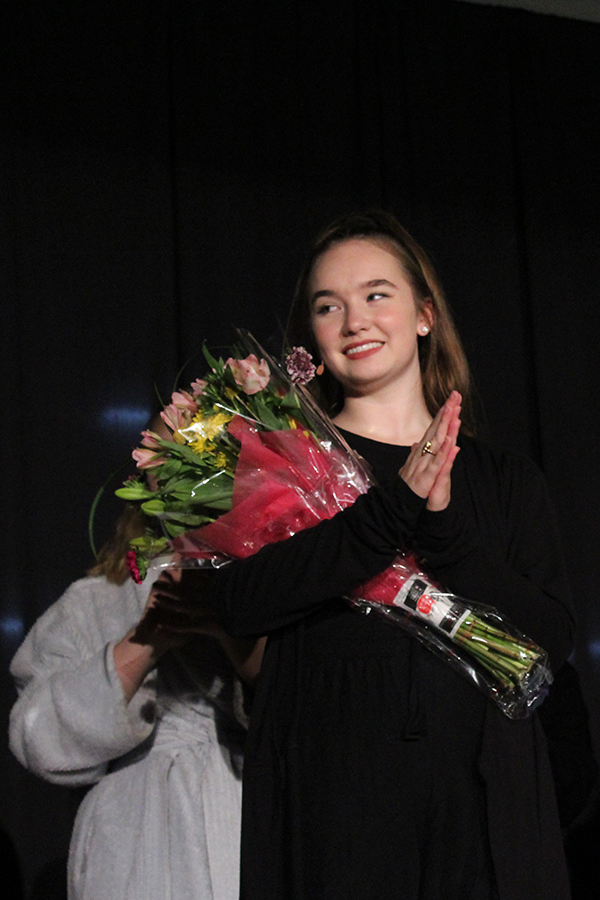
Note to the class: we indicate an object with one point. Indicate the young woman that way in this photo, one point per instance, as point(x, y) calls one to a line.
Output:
point(152, 719)
point(373, 770)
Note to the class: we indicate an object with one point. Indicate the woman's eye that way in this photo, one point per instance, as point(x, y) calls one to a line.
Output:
point(324, 309)
point(376, 296)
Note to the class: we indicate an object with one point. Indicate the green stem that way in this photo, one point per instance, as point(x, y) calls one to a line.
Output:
point(96, 501)
point(507, 669)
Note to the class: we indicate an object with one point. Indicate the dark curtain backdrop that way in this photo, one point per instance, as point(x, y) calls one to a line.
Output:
point(165, 165)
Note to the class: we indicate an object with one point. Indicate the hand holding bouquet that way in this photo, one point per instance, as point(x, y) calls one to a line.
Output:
point(251, 459)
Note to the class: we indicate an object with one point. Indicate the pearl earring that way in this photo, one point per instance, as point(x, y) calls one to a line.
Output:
point(424, 330)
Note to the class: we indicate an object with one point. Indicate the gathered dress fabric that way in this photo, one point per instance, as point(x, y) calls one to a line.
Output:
point(162, 821)
point(373, 770)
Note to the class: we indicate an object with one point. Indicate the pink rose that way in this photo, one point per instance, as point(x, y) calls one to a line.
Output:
point(147, 459)
point(250, 374)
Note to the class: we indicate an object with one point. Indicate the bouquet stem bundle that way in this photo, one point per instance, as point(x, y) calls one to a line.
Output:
point(506, 657)
point(473, 638)
point(251, 459)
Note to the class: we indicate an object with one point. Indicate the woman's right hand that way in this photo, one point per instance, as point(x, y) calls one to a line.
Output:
point(428, 472)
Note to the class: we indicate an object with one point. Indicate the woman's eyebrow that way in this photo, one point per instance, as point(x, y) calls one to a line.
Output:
point(318, 294)
point(374, 282)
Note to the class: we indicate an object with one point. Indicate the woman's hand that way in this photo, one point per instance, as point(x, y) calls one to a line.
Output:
point(427, 471)
point(179, 607)
point(172, 615)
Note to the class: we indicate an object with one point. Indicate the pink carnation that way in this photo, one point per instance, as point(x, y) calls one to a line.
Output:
point(300, 366)
point(250, 374)
point(132, 565)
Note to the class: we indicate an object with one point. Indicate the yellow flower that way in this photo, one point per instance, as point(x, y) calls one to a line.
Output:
point(220, 460)
point(204, 428)
point(199, 444)
point(216, 424)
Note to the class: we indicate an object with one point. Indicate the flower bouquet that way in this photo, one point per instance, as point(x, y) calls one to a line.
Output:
point(251, 459)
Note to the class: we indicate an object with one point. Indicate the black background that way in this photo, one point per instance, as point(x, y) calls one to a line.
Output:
point(165, 165)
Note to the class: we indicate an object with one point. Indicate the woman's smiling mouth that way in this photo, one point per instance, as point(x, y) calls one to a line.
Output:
point(357, 351)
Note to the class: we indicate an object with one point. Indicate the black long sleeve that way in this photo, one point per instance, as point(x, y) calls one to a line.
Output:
point(284, 580)
point(528, 582)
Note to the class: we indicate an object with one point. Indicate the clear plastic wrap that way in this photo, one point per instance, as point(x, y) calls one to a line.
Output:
point(474, 639)
point(251, 459)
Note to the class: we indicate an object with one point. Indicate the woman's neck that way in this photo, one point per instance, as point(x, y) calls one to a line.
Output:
point(392, 421)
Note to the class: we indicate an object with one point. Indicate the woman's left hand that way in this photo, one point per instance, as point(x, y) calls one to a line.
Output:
point(428, 467)
point(439, 495)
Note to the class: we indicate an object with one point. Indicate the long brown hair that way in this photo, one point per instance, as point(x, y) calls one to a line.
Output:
point(110, 562)
point(444, 367)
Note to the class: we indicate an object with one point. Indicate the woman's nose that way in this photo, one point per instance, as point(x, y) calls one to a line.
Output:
point(357, 318)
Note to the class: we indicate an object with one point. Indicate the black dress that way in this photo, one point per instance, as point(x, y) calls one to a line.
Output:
point(373, 771)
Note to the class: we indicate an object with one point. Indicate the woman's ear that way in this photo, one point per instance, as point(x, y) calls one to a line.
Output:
point(426, 318)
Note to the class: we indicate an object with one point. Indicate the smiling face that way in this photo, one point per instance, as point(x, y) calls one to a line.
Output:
point(365, 317)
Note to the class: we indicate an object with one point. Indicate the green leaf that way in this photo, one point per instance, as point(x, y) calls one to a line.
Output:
point(133, 492)
point(174, 530)
point(186, 485)
point(290, 401)
point(171, 468)
point(217, 365)
point(225, 504)
point(186, 518)
point(181, 498)
point(149, 544)
point(210, 491)
point(153, 507)
point(267, 417)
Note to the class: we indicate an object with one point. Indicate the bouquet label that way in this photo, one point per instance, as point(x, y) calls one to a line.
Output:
point(424, 601)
